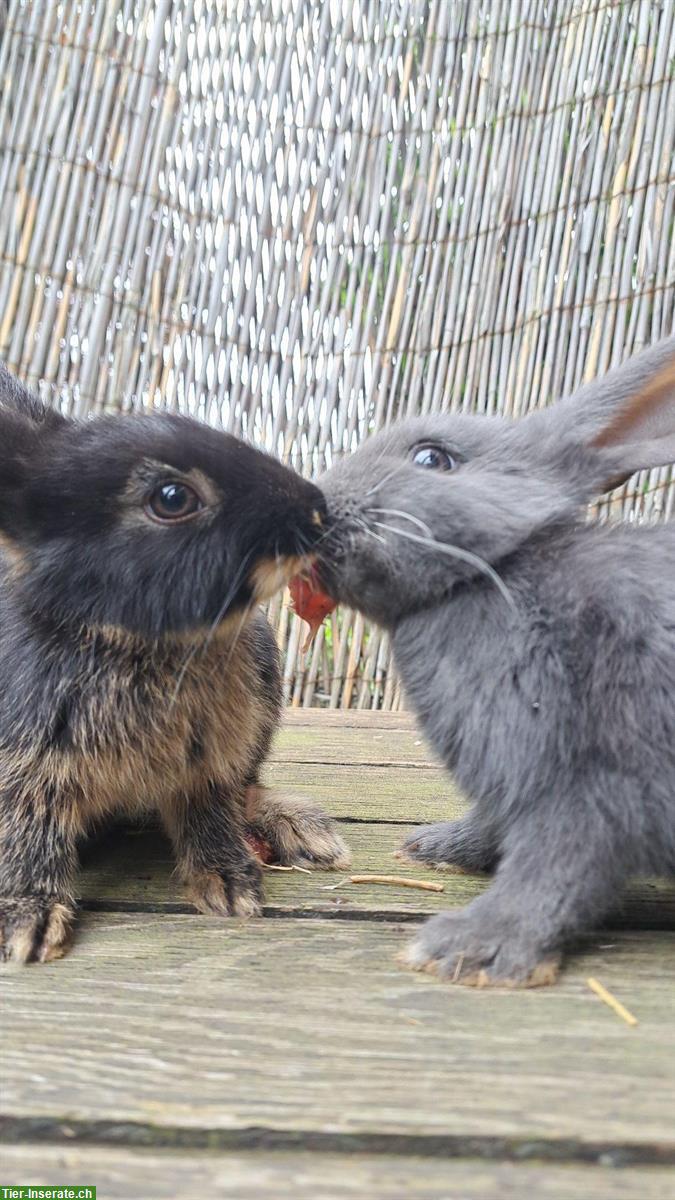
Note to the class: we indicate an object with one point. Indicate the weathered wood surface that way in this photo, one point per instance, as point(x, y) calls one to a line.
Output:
point(191, 1022)
point(315, 756)
point(176, 1044)
point(134, 869)
point(293, 1176)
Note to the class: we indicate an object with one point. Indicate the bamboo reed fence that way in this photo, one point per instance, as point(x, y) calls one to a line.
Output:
point(302, 218)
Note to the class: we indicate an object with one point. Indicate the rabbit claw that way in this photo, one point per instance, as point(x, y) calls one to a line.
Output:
point(448, 845)
point(297, 832)
point(227, 895)
point(461, 949)
point(33, 929)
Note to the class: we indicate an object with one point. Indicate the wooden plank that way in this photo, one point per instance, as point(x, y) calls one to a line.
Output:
point(337, 743)
point(134, 867)
point(349, 718)
point(121, 1173)
point(371, 793)
point(192, 1023)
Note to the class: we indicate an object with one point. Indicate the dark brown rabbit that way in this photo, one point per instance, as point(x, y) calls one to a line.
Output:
point(136, 672)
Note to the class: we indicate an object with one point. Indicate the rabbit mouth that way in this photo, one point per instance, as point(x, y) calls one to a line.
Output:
point(272, 574)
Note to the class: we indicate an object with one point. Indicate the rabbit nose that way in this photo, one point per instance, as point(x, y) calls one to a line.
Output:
point(317, 518)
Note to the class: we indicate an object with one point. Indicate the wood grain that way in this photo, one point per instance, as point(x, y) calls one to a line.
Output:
point(190, 1022)
point(121, 1174)
point(351, 718)
point(371, 793)
point(316, 742)
point(135, 867)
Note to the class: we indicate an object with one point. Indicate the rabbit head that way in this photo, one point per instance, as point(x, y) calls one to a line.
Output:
point(152, 523)
point(437, 500)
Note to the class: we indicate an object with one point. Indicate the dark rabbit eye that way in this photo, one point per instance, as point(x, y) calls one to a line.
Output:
point(434, 458)
point(174, 502)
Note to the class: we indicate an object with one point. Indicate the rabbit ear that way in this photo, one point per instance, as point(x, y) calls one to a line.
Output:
point(641, 433)
point(25, 425)
point(590, 412)
point(586, 413)
point(19, 441)
point(17, 398)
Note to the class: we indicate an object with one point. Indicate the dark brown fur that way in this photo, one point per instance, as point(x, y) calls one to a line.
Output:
point(168, 705)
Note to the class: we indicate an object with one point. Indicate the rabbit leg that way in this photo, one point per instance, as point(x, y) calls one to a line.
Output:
point(37, 862)
point(465, 845)
point(213, 860)
point(294, 831)
point(554, 880)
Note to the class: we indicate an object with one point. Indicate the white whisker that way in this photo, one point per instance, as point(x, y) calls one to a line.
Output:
point(455, 552)
point(205, 642)
point(366, 529)
point(397, 512)
point(386, 479)
point(245, 616)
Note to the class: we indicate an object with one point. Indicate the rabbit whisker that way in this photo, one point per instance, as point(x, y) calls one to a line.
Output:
point(367, 529)
point(201, 646)
point(244, 618)
point(371, 491)
point(456, 552)
point(397, 512)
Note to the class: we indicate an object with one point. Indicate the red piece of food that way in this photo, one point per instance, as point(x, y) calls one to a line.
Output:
point(260, 847)
point(310, 602)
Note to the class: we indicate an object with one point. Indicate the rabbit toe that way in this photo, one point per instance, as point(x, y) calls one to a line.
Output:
point(226, 895)
point(442, 846)
point(297, 833)
point(33, 929)
point(461, 949)
point(311, 840)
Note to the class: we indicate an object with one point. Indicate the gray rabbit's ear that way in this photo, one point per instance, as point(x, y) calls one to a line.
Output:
point(640, 433)
point(585, 413)
point(590, 412)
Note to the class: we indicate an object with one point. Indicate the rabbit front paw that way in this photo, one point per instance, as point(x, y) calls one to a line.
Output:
point(449, 845)
point(33, 929)
point(465, 948)
point(295, 832)
point(229, 894)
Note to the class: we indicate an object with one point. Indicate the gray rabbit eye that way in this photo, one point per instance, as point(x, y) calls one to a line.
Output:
point(173, 501)
point(434, 458)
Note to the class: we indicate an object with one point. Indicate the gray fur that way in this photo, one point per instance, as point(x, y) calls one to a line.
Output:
point(552, 706)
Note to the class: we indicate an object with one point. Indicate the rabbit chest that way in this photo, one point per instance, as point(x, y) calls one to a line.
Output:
point(133, 725)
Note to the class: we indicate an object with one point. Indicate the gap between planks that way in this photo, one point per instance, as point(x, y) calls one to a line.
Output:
point(141, 1135)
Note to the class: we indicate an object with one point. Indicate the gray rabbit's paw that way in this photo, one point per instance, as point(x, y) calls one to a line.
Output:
point(33, 929)
point(294, 832)
point(227, 895)
point(463, 948)
point(449, 845)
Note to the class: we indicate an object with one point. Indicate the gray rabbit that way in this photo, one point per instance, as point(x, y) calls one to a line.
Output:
point(537, 649)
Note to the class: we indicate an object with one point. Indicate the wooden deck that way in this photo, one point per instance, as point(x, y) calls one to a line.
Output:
point(174, 1055)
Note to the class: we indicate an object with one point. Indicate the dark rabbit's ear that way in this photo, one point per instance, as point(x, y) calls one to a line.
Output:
point(20, 440)
point(641, 432)
point(25, 425)
point(17, 398)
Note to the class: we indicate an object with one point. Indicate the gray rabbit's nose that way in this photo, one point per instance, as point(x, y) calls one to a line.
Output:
point(317, 519)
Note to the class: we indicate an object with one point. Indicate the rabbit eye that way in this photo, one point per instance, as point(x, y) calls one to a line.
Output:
point(174, 502)
point(434, 458)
